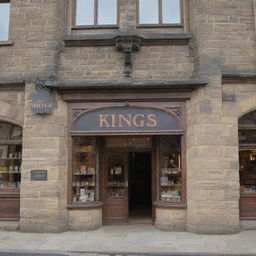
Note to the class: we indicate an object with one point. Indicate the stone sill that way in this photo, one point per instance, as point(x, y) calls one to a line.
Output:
point(248, 218)
point(110, 39)
point(91, 205)
point(170, 205)
point(85, 27)
point(6, 43)
point(10, 194)
point(174, 25)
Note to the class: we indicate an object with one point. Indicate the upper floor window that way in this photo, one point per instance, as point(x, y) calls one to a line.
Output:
point(96, 12)
point(4, 20)
point(159, 11)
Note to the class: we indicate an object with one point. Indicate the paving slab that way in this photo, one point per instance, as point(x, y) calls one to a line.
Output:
point(126, 240)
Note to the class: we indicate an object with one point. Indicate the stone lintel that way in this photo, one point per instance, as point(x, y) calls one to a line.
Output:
point(12, 84)
point(238, 77)
point(186, 85)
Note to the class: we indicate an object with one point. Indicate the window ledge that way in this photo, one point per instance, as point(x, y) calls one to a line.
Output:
point(81, 27)
point(168, 205)
point(6, 43)
point(176, 25)
point(90, 205)
point(110, 39)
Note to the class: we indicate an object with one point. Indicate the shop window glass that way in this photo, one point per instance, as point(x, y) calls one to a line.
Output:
point(4, 20)
point(171, 185)
point(159, 12)
point(84, 171)
point(10, 157)
point(96, 12)
point(247, 153)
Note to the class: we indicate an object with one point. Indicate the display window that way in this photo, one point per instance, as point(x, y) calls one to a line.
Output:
point(10, 156)
point(247, 160)
point(84, 170)
point(170, 169)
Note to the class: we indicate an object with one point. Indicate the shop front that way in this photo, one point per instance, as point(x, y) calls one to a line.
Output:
point(127, 156)
point(128, 160)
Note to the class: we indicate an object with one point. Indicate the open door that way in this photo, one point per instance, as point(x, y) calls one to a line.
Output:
point(115, 194)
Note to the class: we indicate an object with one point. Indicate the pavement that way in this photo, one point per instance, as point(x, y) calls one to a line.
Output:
point(126, 240)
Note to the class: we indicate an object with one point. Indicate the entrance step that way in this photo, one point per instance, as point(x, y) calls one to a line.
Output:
point(140, 221)
point(9, 225)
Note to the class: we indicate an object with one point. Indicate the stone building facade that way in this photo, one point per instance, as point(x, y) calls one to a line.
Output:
point(199, 73)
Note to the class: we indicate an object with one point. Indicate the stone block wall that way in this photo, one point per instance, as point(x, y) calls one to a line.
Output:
point(43, 203)
point(84, 220)
point(171, 219)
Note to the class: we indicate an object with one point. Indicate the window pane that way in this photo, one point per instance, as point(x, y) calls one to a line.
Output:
point(170, 169)
point(171, 11)
point(84, 185)
point(84, 12)
point(149, 13)
point(4, 20)
point(247, 160)
point(107, 12)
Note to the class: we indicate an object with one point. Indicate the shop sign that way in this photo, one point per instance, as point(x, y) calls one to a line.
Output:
point(42, 101)
point(127, 119)
point(38, 174)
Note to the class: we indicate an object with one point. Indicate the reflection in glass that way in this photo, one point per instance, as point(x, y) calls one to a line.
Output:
point(171, 11)
point(149, 13)
point(4, 21)
point(107, 12)
point(85, 12)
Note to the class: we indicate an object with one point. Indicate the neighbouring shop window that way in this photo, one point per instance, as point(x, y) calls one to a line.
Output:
point(4, 20)
point(96, 12)
point(247, 153)
point(159, 11)
point(10, 157)
point(84, 170)
point(170, 173)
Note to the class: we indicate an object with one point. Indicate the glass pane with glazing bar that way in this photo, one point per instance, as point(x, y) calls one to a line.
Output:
point(84, 12)
point(4, 21)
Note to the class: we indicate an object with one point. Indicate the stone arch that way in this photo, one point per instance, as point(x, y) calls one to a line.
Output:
point(246, 106)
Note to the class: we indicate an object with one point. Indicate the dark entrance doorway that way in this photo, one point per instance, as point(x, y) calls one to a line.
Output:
point(140, 192)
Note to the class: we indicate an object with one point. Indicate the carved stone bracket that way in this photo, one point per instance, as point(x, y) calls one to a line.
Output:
point(128, 44)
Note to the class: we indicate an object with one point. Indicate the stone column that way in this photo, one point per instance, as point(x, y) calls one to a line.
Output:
point(212, 139)
point(43, 203)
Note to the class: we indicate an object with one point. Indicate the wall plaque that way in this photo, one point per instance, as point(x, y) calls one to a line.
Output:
point(38, 174)
point(42, 101)
point(123, 119)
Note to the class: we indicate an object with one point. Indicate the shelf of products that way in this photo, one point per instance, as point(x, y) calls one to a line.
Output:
point(248, 171)
point(116, 186)
point(84, 186)
point(170, 169)
point(10, 167)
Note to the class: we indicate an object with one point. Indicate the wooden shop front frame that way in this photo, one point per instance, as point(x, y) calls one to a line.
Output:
point(146, 100)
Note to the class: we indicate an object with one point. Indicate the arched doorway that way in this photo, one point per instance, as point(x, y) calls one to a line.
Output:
point(10, 170)
point(247, 158)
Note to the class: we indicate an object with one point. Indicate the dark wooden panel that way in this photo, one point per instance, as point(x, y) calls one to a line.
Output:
point(9, 208)
point(248, 207)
